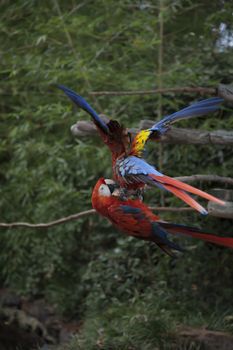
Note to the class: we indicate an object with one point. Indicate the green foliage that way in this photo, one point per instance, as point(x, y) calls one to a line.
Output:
point(91, 272)
point(124, 326)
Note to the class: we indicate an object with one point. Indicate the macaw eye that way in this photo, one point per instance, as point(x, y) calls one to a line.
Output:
point(104, 191)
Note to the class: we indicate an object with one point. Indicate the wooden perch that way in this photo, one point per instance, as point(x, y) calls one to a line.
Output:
point(226, 92)
point(194, 137)
point(219, 210)
point(173, 136)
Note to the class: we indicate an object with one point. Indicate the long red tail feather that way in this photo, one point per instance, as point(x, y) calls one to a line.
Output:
point(185, 187)
point(186, 198)
point(196, 233)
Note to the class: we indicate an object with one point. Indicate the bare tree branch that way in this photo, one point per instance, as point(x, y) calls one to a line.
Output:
point(172, 209)
point(214, 210)
point(206, 178)
point(76, 217)
point(51, 223)
point(199, 90)
point(224, 91)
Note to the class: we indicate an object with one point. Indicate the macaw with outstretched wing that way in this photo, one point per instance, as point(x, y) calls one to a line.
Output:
point(130, 170)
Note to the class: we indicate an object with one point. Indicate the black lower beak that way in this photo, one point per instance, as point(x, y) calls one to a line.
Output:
point(112, 187)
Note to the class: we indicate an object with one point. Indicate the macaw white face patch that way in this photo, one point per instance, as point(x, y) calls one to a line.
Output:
point(109, 182)
point(104, 191)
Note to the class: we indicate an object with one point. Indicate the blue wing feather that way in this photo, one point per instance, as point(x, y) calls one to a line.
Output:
point(135, 166)
point(82, 103)
point(127, 209)
point(134, 169)
point(136, 212)
point(196, 109)
point(161, 236)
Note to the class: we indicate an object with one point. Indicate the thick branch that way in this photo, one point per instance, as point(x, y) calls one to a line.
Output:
point(226, 92)
point(219, 211)
point(192, 136)
point(222, 211)
point(198, 137)
point(172, 136)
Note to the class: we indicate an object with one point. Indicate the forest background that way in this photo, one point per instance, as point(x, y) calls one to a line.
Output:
point(126, 293)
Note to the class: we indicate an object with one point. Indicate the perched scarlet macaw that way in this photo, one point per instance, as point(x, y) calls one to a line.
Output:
point(137, 220)
point(129, 169)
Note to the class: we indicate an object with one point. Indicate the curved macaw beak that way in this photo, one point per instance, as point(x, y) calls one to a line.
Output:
point(82, 103)
point(112, 185)
point(112, 188)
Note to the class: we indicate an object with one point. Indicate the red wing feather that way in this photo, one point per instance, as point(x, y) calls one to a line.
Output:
point(135, 225)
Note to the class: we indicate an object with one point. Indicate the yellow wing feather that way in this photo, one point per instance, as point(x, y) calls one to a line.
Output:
point(139, 142)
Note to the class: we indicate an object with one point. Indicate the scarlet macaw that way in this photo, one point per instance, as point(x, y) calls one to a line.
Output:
point(137, 220)
point(129, 169)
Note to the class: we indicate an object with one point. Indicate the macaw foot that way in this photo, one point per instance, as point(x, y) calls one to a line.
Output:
point(123, 194)
point(139, 194)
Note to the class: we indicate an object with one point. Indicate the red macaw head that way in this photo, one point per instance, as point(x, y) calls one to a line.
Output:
point(103, 194)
